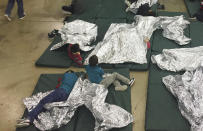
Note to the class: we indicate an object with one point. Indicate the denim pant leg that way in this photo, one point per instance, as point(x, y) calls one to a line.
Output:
point(20, 8)
point(57, 95)
point(9, 7)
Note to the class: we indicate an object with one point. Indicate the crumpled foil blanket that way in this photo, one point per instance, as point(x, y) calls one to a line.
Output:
point(179, 59)
point(91, 95)
point(77, 31)
point(173, 28)
point(188, 89)
point(124, 42)
point(135, 5)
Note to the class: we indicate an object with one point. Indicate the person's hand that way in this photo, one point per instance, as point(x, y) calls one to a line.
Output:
point(146, 40)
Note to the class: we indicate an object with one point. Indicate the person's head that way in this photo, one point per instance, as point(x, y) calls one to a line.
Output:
point(93, 60)
point(75, 48)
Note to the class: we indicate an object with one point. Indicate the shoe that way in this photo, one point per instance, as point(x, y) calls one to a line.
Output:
point(7, 17)
point(22, 17)
point(131, 82)
point(22, 124)
point(121, 88)
point(67, 9)
point(24, 120)
point(53, 33)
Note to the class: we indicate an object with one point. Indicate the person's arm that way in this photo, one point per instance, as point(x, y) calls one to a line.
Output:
point(146, 40)
point(101, 72)
point(78, 59)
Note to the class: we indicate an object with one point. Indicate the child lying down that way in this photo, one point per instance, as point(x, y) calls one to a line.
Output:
point(56, 108)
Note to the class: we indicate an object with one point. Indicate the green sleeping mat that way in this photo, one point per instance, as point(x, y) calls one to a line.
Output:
point(86, 8)
point(162, 112)
point(59, 58)
point(160, 42)
point(112, 9)
point(192, 6)
point(83, 119)
point(99, 9)
point(196, 34)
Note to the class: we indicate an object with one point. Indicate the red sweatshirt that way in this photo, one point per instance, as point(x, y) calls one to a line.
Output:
point(74, 56)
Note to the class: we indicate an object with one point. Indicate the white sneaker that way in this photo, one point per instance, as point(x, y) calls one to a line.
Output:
point(131, 82)
point(22, 124)
point(24, 120)
point(7, 17)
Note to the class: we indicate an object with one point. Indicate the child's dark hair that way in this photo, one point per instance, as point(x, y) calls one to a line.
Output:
point(93, 60)
point(75, 48)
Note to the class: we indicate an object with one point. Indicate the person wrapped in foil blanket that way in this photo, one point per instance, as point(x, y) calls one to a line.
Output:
point(124, 42)
point(133, 7)
point(91, 95)
point(188, 89)
point(180, 59)
point(77, 32)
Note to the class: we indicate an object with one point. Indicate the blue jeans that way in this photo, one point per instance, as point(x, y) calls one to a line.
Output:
point(57, 95)
point(10, 7)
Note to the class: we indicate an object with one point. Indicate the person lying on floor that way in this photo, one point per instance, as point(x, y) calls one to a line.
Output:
point(74, 53)
point(59, 94)
point(95, 75)
point(143, 10)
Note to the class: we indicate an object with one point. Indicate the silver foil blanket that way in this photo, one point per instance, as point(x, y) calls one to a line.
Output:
point(179, 59)
point(78, 31)
point(188, 89)
point(124, 42)
point(173, 28)
point(91, 95)
point(133, 7)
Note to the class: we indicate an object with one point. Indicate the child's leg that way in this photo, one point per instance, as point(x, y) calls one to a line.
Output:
point(57, 95)
point(107, 81)
point(116, 83)
point(118, 86)
point(20, 8)
point(9, 7)
point(121, 78)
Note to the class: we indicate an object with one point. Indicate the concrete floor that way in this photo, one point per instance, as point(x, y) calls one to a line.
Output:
point(21, 44)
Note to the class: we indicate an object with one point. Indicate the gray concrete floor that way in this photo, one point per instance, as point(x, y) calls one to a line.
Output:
point(21, 44)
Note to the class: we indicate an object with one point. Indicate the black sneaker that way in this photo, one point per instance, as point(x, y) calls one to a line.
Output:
point(22, 17)
point(53, 33)
point(131, 82)
point(67, 9)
